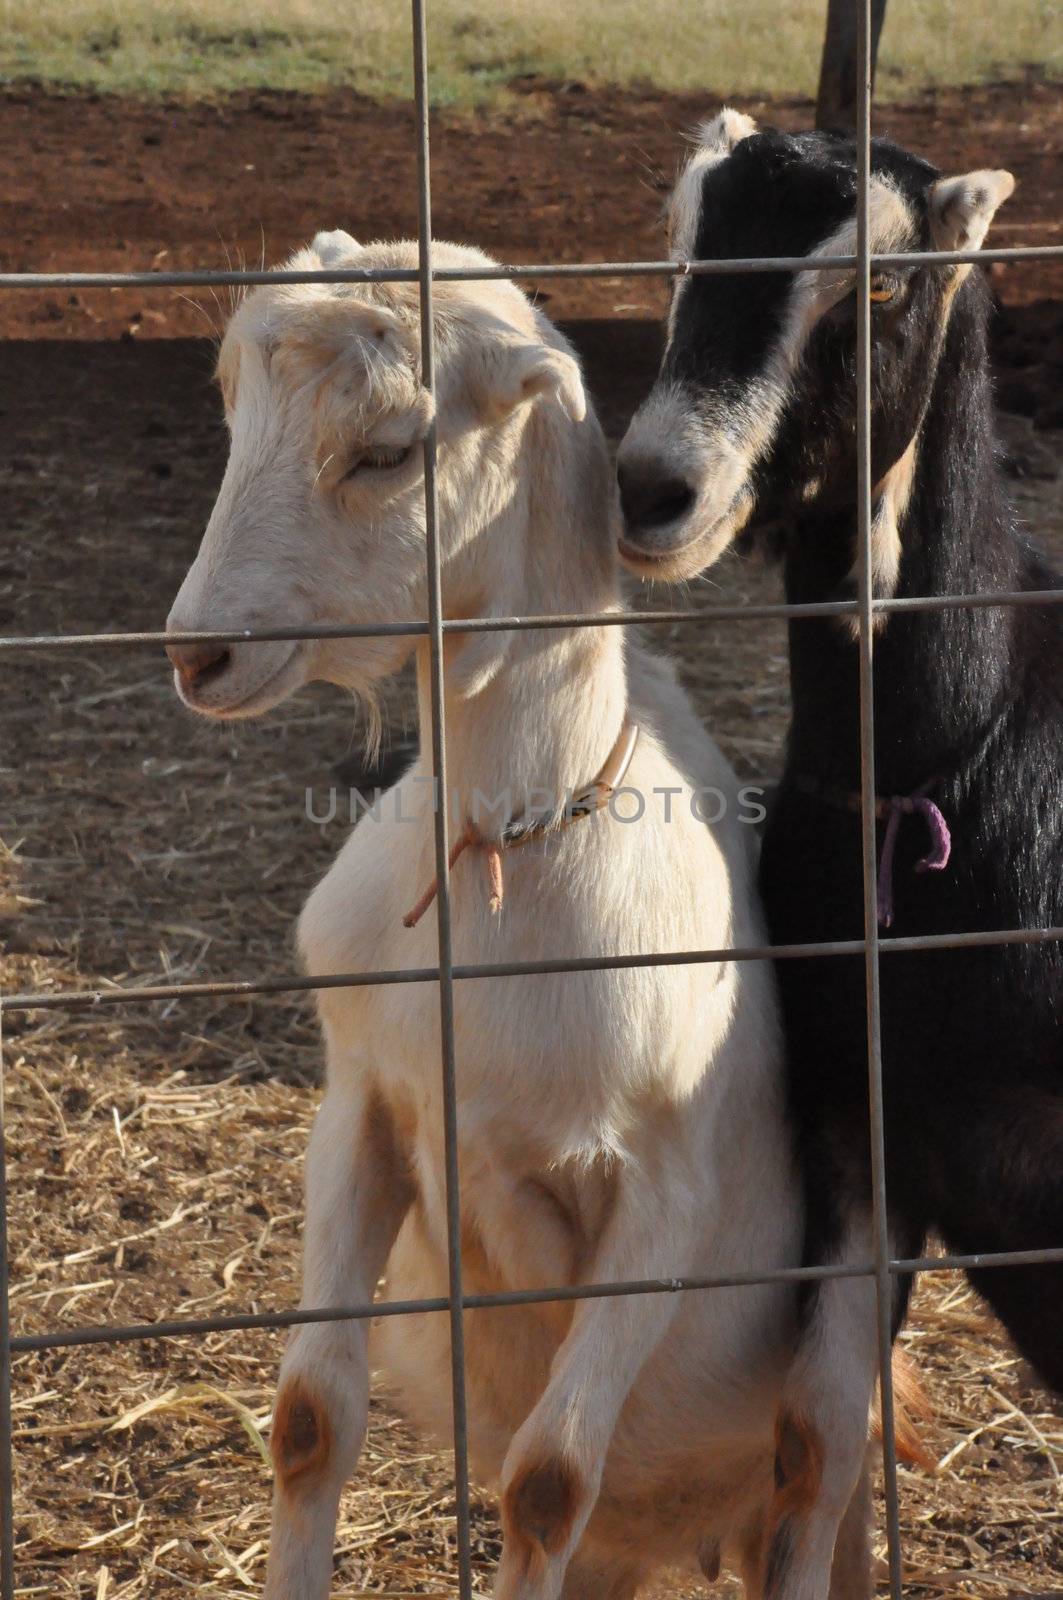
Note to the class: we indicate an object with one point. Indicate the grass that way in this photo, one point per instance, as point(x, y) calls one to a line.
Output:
point(480, 47)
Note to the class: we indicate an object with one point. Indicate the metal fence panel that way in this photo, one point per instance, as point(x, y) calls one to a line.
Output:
point(883, 1269)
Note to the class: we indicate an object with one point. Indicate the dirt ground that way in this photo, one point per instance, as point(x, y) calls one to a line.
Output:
point(155, 1152)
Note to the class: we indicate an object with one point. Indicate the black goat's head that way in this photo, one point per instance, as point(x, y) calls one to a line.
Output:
point(753, 416)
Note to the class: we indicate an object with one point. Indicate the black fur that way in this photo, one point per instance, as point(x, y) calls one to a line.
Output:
point(969, 700)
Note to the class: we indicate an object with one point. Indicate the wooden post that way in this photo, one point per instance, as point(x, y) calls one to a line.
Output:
point(836, 101)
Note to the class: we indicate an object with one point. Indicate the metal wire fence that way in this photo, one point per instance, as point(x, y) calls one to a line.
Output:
point(882, 1267)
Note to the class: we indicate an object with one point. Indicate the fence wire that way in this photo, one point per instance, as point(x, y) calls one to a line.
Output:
point(882, 1269)
point(884, 1286)
point(732, 266)
point(442, 842)
point(14, 643)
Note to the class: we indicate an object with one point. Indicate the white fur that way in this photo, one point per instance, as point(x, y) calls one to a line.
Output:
point(611, 1125)
point(714, 140)
point(962, 208)
point(713, 143)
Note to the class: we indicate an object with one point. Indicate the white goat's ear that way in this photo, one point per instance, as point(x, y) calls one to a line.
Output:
point(962, 208)
point(331, 248)
point(722, 132)
point(514, 371)
point(376, 324)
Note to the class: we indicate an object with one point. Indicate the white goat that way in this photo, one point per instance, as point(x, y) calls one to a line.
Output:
point(611, 1124)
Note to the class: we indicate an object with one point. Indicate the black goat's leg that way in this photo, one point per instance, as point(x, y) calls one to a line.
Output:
point(1003, 1191)
point(1029, 1302)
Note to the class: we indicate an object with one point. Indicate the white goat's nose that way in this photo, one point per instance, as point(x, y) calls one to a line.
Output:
point(197, 662)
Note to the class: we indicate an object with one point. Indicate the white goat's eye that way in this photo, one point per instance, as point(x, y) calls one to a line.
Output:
point(378, 460)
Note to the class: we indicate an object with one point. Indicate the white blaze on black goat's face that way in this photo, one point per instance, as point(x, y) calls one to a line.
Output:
point(752, 418)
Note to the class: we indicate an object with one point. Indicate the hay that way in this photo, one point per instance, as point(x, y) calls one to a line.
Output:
point(155, 1152)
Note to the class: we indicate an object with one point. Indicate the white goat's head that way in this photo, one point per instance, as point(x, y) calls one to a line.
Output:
point(320, 516)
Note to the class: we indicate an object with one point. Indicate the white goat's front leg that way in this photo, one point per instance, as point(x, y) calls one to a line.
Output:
point(850, 1577)
point(821, 1441)
point(358, 1189)
point(553, 1467)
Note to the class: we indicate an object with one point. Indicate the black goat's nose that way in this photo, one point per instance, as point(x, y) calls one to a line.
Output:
point(650, 499)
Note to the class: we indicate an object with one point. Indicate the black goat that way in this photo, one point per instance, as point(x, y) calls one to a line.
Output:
point(752, 426)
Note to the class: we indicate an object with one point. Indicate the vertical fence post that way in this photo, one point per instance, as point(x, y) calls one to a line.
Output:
point(7, 1487)
point(883, 1277)
point(439, 769)
point(836, 106)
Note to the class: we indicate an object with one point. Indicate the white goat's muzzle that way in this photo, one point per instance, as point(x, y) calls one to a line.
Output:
point(233, 680)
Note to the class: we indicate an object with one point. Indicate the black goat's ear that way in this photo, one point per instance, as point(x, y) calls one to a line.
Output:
point(962, 208)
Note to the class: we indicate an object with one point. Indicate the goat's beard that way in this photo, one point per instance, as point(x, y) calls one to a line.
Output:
point(366, 696)
point(368, 701)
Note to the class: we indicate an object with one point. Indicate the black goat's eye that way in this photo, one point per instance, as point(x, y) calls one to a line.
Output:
point(883, 287)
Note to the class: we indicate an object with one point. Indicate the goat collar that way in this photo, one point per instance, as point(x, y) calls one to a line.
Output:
point(890, 809)
point(584, 802)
